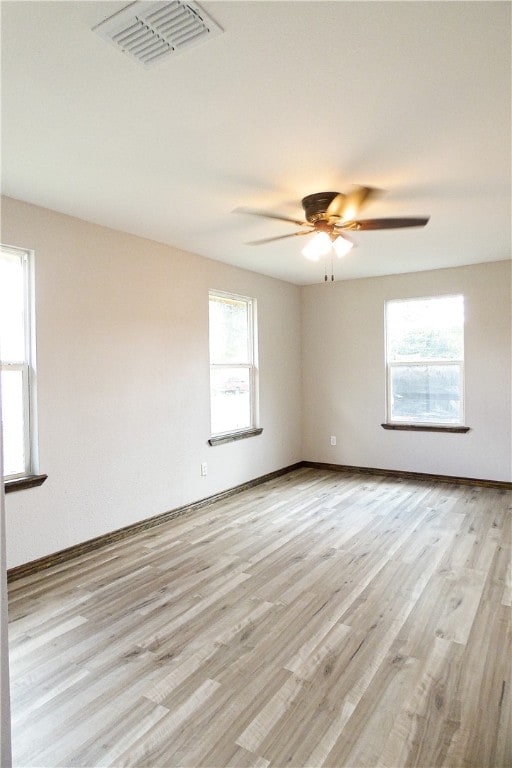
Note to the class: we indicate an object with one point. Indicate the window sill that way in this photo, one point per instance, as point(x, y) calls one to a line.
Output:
point(229, 438)
point(425, 428)
point(22, 483)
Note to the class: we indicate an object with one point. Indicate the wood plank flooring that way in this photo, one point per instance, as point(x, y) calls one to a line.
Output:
point(320, 619)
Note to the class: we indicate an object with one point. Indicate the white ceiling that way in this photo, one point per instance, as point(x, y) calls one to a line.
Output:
point(293, 98)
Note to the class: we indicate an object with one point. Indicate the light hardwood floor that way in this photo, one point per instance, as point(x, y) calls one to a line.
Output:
point(321, 619)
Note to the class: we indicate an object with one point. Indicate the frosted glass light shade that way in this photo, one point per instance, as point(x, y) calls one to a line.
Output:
point(319, 246)
point(341, 246)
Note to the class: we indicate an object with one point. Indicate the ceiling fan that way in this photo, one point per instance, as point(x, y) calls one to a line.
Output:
point(330, 216)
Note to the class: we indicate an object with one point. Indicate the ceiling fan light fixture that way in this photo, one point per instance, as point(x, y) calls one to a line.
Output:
point(319, 246)
point(341, 246)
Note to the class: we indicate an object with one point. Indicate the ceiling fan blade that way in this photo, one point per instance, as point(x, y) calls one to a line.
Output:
point(358, 197)
point(347, 206)
point(269, 215)
point(406, 221)
point(336, 206)
point(280, 237)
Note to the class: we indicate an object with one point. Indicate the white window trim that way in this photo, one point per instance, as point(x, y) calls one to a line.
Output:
point(423, 362)
point(251, 366)
point(28, 368)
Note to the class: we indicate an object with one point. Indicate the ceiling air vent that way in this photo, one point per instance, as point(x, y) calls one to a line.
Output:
point(150, 31)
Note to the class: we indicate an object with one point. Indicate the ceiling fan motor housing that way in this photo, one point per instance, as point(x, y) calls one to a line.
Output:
point(316, 205)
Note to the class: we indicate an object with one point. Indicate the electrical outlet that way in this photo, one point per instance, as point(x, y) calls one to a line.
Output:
point(333, 439)
point(204, 469)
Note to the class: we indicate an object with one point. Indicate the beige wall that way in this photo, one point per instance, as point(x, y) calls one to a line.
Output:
point(123, 380)
point(344, 374)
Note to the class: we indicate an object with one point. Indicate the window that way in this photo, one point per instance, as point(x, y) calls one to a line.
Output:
point(233, 373)
point(425, 361)
point(16, 363)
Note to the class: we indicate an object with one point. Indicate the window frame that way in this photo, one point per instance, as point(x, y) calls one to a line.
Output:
point(424, 363)
point(251, 366)
point(28, 368)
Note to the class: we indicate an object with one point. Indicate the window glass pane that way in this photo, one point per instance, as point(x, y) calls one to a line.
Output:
point(229, 330)
point(13, 422)
point(12, 307)
point(426, 393)
point(426, 329)
point(230, 399)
